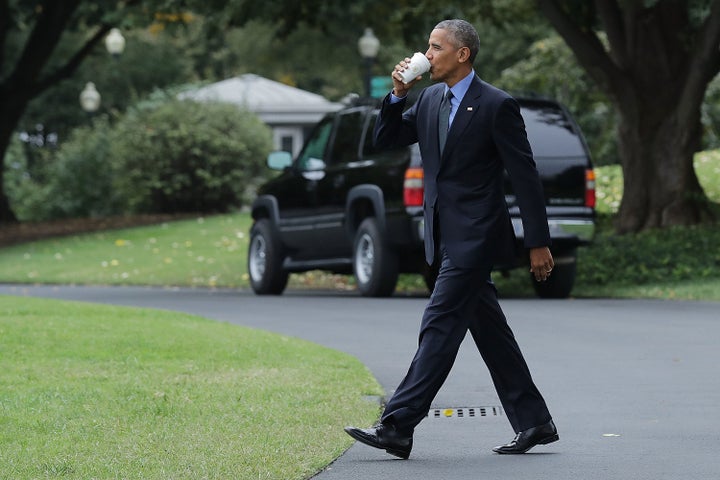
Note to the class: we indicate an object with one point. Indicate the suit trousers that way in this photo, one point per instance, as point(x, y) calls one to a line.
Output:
point(465, 299)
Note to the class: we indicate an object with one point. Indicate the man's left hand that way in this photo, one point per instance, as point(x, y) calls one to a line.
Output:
point(541, 263)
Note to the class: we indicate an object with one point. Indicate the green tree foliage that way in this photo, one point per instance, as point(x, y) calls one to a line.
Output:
point(655, 67)
point(551, 70)
point(149, 62)
point(301, 58)
point(43, 42)
point(315, 42)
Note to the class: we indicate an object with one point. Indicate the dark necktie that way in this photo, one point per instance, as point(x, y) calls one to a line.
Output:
point(444, 119)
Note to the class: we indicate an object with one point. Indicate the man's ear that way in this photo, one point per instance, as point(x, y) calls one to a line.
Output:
point(463, 54)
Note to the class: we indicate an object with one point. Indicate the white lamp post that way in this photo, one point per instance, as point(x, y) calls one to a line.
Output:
point(115, 42)
point(90, 98)
point(368, 46)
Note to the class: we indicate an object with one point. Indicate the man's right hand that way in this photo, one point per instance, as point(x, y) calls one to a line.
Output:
point(401, 89)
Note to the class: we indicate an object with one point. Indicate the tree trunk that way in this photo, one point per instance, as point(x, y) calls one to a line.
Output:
point(656, 70)
point(23, 81)
point(661, 188)
point(6, 214)
point(8, 120)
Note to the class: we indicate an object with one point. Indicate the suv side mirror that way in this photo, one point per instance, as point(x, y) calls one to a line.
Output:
point(279, 160)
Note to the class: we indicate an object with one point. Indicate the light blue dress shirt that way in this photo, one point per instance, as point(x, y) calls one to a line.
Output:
point(458, 90)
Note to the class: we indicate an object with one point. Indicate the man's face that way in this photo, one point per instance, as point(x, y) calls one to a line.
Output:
point(443, 56)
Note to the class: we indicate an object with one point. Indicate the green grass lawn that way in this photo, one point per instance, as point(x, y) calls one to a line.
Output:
point(707, 166)
point(109, 392)
point(609, 181)
point(204, 252)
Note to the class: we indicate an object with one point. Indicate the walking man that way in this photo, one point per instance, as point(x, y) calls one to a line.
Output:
point(469, 133)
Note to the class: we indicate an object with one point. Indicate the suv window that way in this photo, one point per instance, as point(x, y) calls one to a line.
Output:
point(311, 158)
point(550, 132)
point(347, 138)
point(368, 147)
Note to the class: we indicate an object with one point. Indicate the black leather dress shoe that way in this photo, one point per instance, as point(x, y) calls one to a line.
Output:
point(527, 439)
point(384, 437)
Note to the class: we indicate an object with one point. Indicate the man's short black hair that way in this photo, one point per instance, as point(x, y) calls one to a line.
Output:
point(462, 34)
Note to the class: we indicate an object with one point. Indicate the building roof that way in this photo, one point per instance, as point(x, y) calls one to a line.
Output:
point(273, 102)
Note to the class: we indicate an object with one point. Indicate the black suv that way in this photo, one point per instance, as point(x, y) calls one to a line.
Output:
point(345, 207)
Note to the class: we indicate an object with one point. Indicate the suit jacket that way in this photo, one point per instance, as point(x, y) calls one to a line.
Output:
point(464, 195)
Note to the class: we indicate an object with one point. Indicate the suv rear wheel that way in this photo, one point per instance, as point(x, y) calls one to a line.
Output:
point(267, 276)
point(375, 265)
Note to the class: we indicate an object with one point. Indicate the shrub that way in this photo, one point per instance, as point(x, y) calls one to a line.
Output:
point(80, 183)
point(71, 182)
point(74, 181)
point(183, 156)
point(167, 156)
point(21, 180)
point(655, 256)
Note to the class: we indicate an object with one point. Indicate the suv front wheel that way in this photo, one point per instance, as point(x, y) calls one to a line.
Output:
point(267, 276)
point(374, 263)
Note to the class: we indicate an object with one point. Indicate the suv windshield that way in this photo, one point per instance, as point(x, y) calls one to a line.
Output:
point(311, 158)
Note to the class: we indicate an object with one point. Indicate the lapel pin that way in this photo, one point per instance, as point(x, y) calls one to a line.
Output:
point(469, 109)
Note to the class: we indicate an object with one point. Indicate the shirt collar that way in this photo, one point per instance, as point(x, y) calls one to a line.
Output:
point(460, 88)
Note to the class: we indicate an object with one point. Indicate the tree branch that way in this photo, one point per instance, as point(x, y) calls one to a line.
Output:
point(705, 64)
point(51, 22)
point(4, 29)
point(611, 17)
point(709, 40)
point(73, 63)
point(66, 70)
point(587, 47)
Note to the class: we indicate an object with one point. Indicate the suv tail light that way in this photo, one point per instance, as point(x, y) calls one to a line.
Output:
point(413, 189)
point(590, 188)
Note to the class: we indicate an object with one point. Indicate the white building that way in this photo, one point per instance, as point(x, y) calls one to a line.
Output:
point(288, 111)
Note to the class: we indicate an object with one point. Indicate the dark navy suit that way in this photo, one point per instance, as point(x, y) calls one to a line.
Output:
point(467, 231)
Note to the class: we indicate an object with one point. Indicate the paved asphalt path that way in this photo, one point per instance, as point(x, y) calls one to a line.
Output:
point(633, 385)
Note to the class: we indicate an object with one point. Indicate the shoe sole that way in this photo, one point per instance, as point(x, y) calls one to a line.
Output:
point(392, 451)
point(398, 453)
point(544, 441)
point(550, 439)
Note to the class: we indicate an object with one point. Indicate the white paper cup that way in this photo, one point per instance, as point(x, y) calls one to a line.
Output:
point(418, 65)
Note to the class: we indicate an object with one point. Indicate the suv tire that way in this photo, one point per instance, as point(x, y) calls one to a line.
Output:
point(375, 265)
point(560, 282)
point(267, 276)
